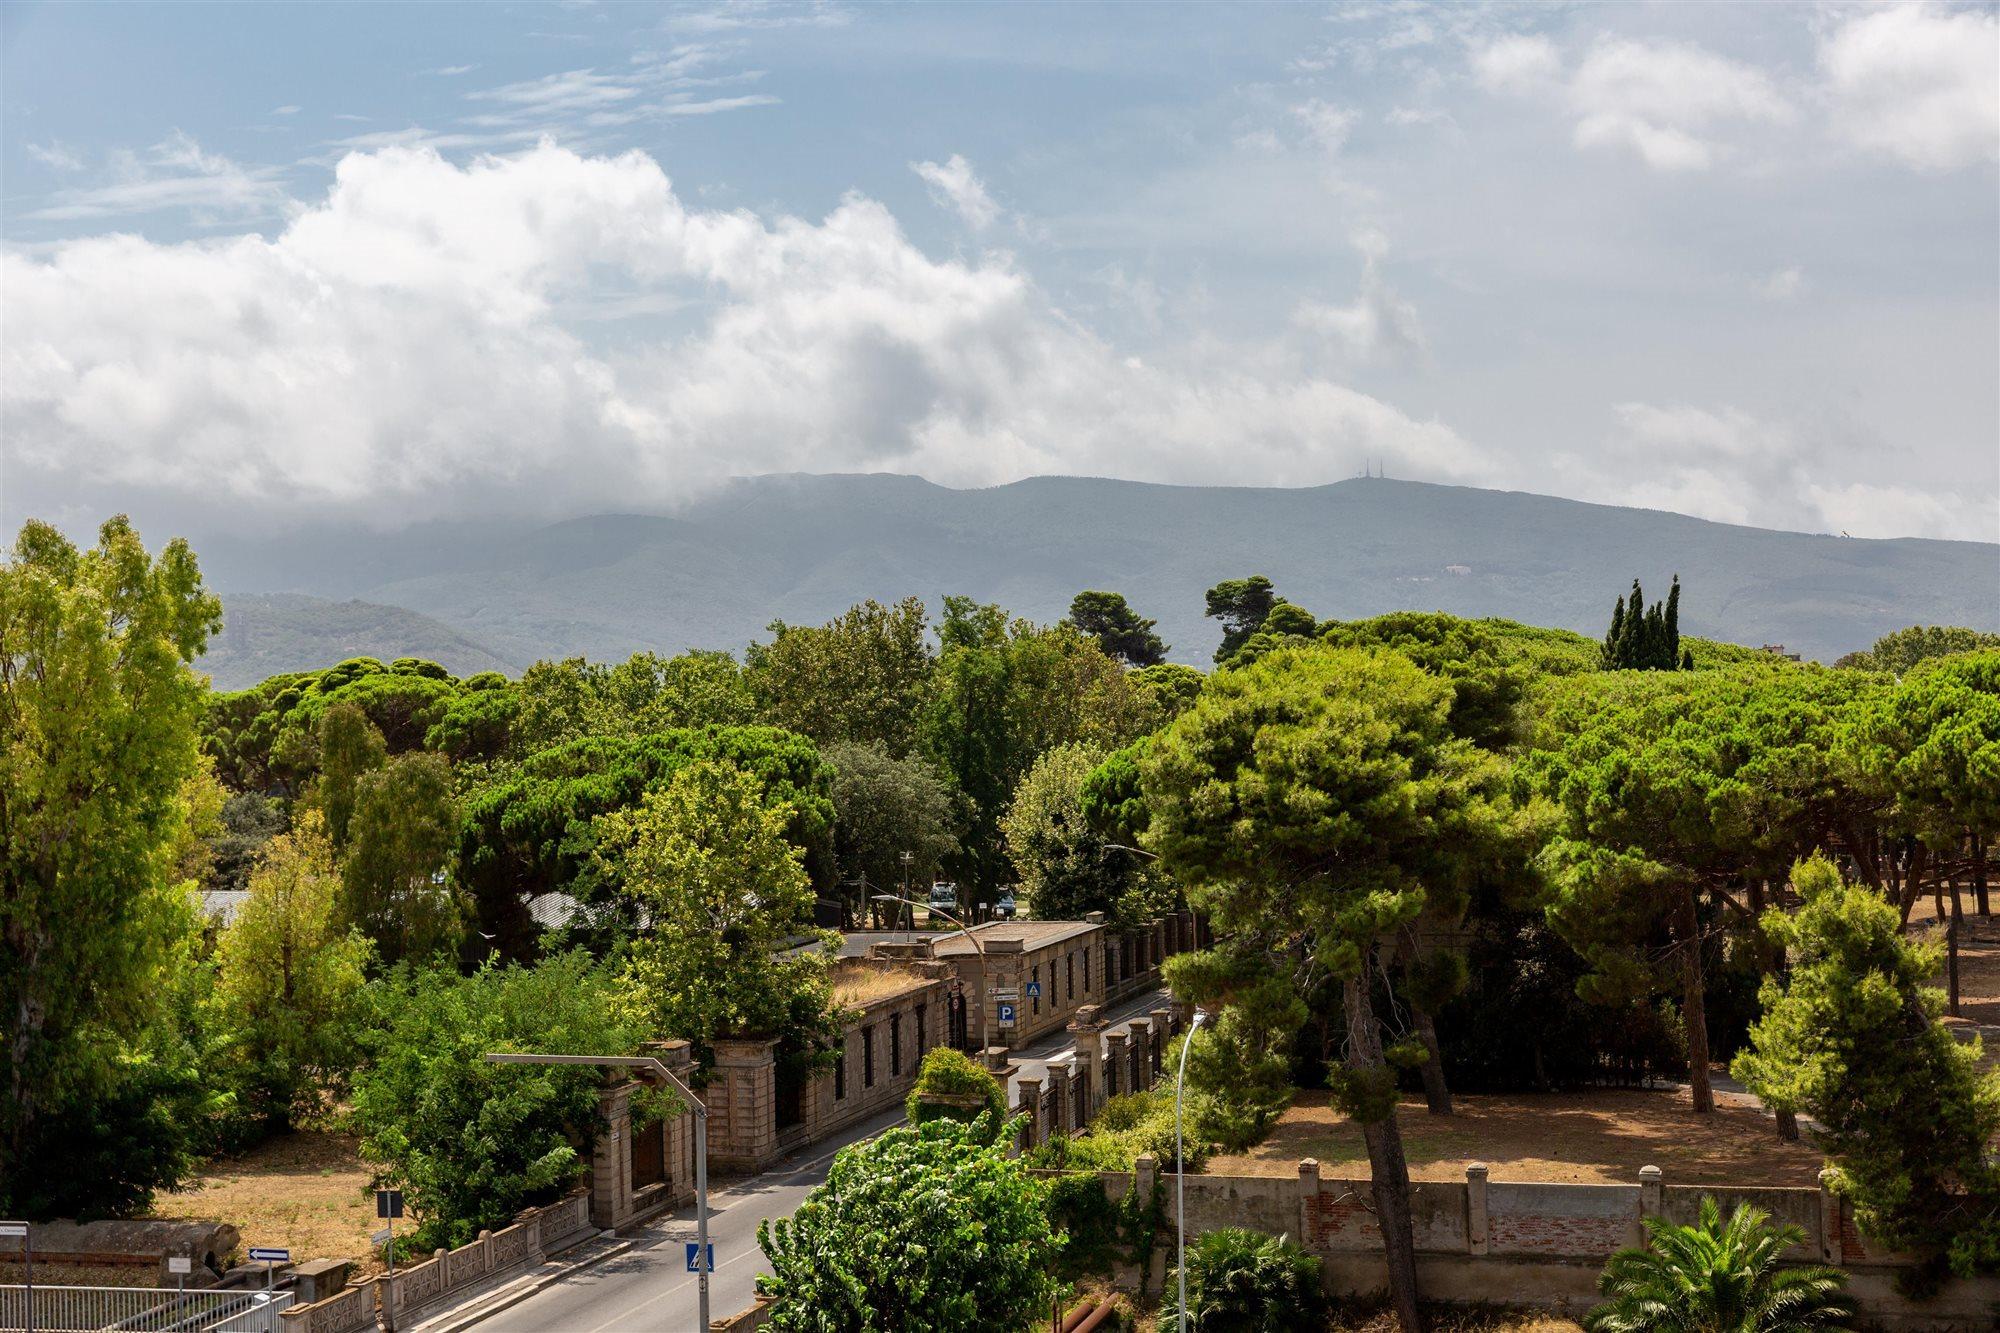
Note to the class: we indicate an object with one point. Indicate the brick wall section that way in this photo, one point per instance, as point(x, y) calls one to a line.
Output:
point(924, 1002)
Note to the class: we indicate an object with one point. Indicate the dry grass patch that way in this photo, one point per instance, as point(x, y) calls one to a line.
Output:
point(1596, 1137)
point(856, 983)
point(309, 1192)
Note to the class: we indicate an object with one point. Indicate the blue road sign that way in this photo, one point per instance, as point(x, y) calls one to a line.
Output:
point(270, 1255)
point(1006, 1015)
point(692, 1250)
point(1034, 990)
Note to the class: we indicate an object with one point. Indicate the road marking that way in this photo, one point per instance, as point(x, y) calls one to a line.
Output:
point(682, 1285)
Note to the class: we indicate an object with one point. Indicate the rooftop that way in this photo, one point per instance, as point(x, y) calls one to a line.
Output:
point(1031, 934)
point(857, 983)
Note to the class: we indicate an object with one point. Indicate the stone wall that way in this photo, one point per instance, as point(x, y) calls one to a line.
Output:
point(1109, 1060)
point(1536, 1244)
point(894, 1031)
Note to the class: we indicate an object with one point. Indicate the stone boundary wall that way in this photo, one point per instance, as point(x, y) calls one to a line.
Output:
point(1104, 1064)
point(743, 1321)
point(403, 1300)
point(1538, 1244)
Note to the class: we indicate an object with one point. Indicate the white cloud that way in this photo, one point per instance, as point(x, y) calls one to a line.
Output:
point(57, 155)
point(1786, 284)
point(286, 110)
point(955, 186)
point(1671, 104)
point(1918, 83)
point(1727, 465)
point(579, 103)
point(451, 71)
point(715, 104)
point(174, 174)
point(1325, 124)
point(741, 14)
point(404, 347)
point(1378, 324)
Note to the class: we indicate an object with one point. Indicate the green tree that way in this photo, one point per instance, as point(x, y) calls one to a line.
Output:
point(1310, 802)
point(884, 808)
point(1242, 606)
point(290, 978)
point(559, 702)
point(1488, 673)
point(1646, 638)
point(924, 1228)
point(1242, 1281)
point(1718, 1275)
point(474, 1143)
point(1168, 690)
point(1065, 866)
point(349, 747)
point(98, 717)
point(729, 903)
point(396, 879)
point(1119, 630)
point(1896, 653)
point(1853, 1040)
point(865, 676)
point(974, 1092)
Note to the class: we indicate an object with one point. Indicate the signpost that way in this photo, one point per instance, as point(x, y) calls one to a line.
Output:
point(19, 1231)
point(270, 1256)
point(1034, 990)
point(180, 1265)
point(388, 1207)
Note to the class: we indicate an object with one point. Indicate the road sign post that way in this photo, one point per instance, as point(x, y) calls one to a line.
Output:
point(270, 1256)
point(180, 1265)
point(389, 1207)
point(694, 1253)
point(19, 1231)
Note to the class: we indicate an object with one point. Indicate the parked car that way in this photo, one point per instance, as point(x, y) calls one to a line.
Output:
point(944, 898)
point(1003, 906)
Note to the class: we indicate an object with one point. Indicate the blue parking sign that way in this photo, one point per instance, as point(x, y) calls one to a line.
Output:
point(1006, 1015)
point(694, 1249)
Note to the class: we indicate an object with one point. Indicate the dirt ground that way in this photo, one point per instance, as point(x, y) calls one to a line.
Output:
point(308, 1192)
point(1597, 1137)
point(1978, 975)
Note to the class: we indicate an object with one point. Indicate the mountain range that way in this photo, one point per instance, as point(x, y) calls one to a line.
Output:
point(802, 548)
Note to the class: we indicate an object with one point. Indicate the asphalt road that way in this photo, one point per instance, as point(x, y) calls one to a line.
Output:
point(649, 1288)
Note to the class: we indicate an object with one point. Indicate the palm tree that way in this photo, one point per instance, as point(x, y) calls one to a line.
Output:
point(1717, 1277)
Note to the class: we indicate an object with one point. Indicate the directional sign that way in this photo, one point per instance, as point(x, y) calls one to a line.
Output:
point(388, 1204)
point(382, 1237)
point(270, 1255)
point(693, 1250)
point(179, 1264)
point(1003, 993)
point(13, 1230)
point(1034, 990)
point(1006, 1015)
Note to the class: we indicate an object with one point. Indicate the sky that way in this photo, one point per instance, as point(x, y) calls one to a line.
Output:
point(278, 264)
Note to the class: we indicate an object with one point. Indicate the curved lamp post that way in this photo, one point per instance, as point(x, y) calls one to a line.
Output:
point(1180, 1167)
point(985, 976)
point(645, 1065)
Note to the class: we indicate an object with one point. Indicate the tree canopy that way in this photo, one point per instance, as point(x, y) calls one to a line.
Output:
point(1119, 630)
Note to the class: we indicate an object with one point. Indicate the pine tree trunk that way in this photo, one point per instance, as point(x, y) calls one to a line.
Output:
point(1693, 1004)
point(1951, 933)
point(1390, 1169)
point(1437, 1093)
point(1979, 875)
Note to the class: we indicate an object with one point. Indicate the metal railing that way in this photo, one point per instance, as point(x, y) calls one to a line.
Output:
point(140, 1309)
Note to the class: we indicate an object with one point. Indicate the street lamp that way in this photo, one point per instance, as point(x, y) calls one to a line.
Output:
point(985, 976)
point(1180, 1166)
point(646, 1064)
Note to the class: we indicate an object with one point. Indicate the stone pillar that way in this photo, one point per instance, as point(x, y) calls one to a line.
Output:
point(611, 1159)
point(1145, 1171)
point(1477, 1224)
point(1029, 1100)
point(1163, 1032)
point(1652, 1197)
point(1088, 1034)
point(1058, 1071)
point(1308, 1201)
point(1831, 1243)
point(743, 1104)
point(1141, 1046)
point(1117, 1073)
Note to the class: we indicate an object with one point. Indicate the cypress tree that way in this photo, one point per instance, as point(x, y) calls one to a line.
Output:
point(1632, 644)
point(1671, 658)
point(1614, 635)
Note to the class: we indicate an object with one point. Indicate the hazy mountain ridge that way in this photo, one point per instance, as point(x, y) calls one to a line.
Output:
point(264, 634)
point(803, 548)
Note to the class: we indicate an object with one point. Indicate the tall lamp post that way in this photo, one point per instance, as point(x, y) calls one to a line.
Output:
point(1180, 1166)
point(985, 977)
point(647, 1065)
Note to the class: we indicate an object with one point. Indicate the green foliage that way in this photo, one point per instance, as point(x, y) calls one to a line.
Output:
point(885, 807)
point(1718, 1275)
point(248, 822)
point(397, 886)
point(559, 702)
point(98, 716)
point(1242, 606)
point(474, 1143)
point(1242, 1281)
point(348, 746)
point(1113, 803)
point(1926, 753)
point(951, 1073)
point(1853, 1040)
point(921, 1228)
point(1130, 1126)
point(1119, 630)
point(1239, 1066)
point(1097, 1234)
point(1896, 653)
point(1645, 638)
point(1488, 673)
point(1066, 868)
point(479, 724)
point(290, 982)
point(865, 676)
point(1169, 689)
point(534, 831)
point(727, 896)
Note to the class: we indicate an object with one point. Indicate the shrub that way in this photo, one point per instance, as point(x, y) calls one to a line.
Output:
point(950, 1073)
point(1127, 1128)
point(1244, 1282)
point(1717, 1275)
point(925, 1227)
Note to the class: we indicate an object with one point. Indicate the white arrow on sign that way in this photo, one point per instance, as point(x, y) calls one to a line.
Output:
point(271, 1256)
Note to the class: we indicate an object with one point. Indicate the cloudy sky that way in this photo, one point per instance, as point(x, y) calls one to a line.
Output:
point(284, 262)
